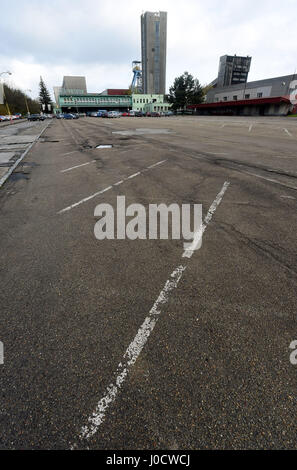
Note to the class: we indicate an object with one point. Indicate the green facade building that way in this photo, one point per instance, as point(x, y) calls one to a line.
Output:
point(93, 101)
point(149, 103)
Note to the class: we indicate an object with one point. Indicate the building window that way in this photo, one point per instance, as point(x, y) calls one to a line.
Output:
point(235, 97)
point(259, 95)
point(225, 98)
point(247, 96)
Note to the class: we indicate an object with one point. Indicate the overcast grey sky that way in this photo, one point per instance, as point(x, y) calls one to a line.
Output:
point(100, 38)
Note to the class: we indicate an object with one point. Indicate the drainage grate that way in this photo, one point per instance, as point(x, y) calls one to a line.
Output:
point(106, 146)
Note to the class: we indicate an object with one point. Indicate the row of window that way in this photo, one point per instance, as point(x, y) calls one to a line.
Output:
point(246, 97)
point(156, 108)
point(96, 100)
point(140, 100)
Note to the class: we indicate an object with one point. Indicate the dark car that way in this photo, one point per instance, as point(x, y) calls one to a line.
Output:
point(35, 117)
point(139, 114)
point(68, 116)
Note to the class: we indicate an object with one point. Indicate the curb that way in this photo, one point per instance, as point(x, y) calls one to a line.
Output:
point(13, 167)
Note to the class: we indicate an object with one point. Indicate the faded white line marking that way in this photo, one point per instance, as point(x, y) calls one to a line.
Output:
point(251, 127)
point(133, 176)
point(156, 164)
point(77, 166)
point(269, 179)
point(106, 189)
point(216, 153)
point(84, 200)
point(136, 346)
point(131, 355)
point(289, 133)
point(69, 153)
point(288, 197)
point(188, 253)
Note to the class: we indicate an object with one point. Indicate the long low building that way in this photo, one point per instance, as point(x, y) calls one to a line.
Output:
point(93, 101)
point(72, 96)
point(270, 97)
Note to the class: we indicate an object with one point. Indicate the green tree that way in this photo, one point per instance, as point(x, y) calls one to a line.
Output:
point(184, 91)
point(44, 97)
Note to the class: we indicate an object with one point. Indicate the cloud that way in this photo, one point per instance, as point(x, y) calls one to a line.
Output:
point(99, 39)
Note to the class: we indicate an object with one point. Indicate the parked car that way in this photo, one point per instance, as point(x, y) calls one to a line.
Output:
point(131, 113)
point(125, 113)
point(101, 112)
point(139, 114)
point(112, 114)
point(155, 114)
point(68, 116)
point(35, 117)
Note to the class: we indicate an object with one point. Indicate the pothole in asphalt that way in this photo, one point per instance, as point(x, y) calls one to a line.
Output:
point(105, 146)
point(19, 175)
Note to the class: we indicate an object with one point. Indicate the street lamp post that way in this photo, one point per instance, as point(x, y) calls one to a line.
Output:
point(26, 101)
point(7, 106)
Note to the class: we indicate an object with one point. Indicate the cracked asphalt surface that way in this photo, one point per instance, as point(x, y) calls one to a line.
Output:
point(215, 372)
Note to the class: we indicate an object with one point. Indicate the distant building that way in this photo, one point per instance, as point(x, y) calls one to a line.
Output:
point(233, 70)
point(74, 84)
point(153, 51)
point(149, 103)
point(269, 97)
point(57, 91)
point(72, 96)
point(116, 91)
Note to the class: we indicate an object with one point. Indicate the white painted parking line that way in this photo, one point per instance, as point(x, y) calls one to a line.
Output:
point(156, 164)
point(69, 153)
point(288, 197)
point(287, 132)
point(270, 179)
point(133, 176)
point(188, 253)
point(136, 346)
point(77, 166)
point(66, 209)
point(251, 127)
point(216, 153)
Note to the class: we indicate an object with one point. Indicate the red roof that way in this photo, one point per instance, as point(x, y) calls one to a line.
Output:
point(117, 91)
point(251, 102)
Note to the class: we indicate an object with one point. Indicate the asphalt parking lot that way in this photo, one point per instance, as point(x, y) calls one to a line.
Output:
point(128, 344)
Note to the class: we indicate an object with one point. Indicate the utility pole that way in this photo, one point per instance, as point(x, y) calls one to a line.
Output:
point(26, 101)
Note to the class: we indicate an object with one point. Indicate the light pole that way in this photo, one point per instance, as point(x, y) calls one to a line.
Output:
point(26, 101)
point(7, 106)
